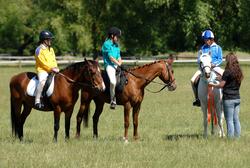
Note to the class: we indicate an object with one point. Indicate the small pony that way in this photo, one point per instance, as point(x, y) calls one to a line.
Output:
point(210, 97)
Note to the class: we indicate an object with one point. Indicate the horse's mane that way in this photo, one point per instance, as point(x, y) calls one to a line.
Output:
point(74, 66)
point(78, 65)
point(142, 66)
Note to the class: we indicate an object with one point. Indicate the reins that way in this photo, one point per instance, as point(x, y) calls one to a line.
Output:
point(73, 81)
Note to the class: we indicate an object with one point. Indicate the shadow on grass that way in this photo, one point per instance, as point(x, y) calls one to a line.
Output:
point(176, 137)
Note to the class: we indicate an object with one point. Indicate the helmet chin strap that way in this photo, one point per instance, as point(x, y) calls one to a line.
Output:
point(46, 43)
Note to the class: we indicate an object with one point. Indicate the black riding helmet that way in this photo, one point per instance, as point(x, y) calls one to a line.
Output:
point(114, 31)
point(45, 34)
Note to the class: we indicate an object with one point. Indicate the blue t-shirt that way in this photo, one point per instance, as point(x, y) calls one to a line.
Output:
point(110, 49)
point(216, 53)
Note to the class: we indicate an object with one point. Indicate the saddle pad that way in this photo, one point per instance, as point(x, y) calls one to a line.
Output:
point(31, 88)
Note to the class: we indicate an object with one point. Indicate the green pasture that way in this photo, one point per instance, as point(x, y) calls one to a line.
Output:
point(170, 132)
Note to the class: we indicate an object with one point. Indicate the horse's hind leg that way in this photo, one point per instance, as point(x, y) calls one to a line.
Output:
point(24, 115)
point(83, 114)
point(219, 114)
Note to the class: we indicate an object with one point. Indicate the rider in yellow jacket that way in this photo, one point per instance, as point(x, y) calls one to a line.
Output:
point(45, 63)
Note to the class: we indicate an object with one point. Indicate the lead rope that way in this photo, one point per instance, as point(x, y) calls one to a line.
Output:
point(211, 111)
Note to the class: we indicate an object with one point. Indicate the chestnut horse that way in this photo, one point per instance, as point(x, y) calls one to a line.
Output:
point(67, 84)
point(131, 96)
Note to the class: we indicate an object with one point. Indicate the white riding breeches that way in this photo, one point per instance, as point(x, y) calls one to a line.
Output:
point(213, 77)
point(197, 73)
point(112, 77)
point(219, 70)
point(42, 77)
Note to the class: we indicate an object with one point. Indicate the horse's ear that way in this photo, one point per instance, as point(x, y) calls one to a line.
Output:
point(200, 53)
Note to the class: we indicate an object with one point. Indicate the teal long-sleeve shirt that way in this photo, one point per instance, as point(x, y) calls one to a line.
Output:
point(110, 49)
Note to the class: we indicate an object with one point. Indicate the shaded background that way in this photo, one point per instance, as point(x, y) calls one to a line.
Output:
point(149, 27)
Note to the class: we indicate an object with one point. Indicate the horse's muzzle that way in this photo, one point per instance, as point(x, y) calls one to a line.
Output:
point(103, 87)
point(172, 87)
point(207, 75)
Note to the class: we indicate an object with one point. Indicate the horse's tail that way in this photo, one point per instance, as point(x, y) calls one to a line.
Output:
point(13, 111)
point(13, 117)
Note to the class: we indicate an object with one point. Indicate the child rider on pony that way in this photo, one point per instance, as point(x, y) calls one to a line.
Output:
point(216, 55)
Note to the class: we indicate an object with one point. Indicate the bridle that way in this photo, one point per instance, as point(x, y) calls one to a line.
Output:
point(92, 85)
point(168, 84)
point(201, 63)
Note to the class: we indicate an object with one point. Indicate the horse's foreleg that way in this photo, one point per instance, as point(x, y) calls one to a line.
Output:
point(68, 115)
point(127, 108)
point(204, 110)
point(136, 110)
point(98, 111)
point(24, 115)
point(57, 113)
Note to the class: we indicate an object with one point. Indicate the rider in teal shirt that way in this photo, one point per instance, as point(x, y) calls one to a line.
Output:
point(112, 59)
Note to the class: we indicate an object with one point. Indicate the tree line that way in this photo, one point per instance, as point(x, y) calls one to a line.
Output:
point(149, 27)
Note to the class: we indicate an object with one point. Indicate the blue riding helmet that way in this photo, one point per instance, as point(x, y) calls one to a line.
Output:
point(207, 34)
point(45, 34)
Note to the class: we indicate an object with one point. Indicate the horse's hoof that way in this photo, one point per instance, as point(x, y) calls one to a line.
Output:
point(136, 138)
point(20, 139)
point(55, 140)
point(125, 140)
point(77, 136)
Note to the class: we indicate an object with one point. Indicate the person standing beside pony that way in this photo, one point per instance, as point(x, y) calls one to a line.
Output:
point(45, 63)
point(112, 59)
point(231, 82)
point(216, 55)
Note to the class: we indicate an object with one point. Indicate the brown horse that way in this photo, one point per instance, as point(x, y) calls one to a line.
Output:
point(67, 84)
point(131, 96)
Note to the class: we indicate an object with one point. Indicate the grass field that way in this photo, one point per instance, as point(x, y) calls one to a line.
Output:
point(170, 132)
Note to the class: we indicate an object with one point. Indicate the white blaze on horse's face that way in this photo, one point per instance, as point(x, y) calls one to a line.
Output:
point(103, 85)
point(205, 63)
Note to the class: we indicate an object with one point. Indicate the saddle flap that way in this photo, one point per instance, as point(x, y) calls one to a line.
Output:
point(121, 80)
point(48, 88)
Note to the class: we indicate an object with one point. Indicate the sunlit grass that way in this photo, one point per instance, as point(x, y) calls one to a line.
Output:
point(170, 131)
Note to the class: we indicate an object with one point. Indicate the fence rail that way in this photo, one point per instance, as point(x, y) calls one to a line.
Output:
point(29, 60)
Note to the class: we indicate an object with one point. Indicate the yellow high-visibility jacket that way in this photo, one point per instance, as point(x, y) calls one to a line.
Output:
point(45, 58)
